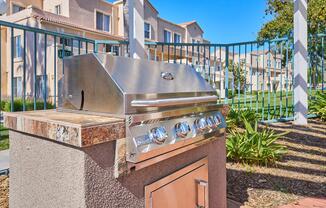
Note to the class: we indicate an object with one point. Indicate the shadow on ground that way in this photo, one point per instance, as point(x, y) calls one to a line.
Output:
point(301, 173)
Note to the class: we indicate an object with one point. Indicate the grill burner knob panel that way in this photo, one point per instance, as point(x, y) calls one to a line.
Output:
point(153, 134)
point(158, 135)
point(201, 124)
point(182, 129)
point(213, 121)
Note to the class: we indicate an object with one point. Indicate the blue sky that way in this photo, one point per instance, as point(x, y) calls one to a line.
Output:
point(224, 21)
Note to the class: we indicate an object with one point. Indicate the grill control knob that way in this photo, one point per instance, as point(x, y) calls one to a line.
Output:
point(158, 135)
point(182, 129)
point(213, 121)
point(201, 124)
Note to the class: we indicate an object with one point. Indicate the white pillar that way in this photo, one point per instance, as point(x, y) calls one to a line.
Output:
point(300, 62)
point(136, 29)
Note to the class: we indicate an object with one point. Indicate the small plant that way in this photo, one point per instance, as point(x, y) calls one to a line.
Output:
point(253, 146)
point(3, 103)
point(29, 104)
point(4, 138)
point(318, 105)
point(235, 118)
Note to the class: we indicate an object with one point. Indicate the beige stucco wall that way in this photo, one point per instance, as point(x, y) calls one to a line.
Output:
point(3, 58)
point(120, 19)
point(84, 11)
point(49, 174)
point(162, 25)
point(24, 3)
point(150, 16)
point(193, 32)
point(49, 6)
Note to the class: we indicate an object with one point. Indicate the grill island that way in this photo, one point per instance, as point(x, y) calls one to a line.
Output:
point(127, 133)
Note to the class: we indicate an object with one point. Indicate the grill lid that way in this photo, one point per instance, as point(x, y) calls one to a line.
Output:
point(119, 85)
point(146, 77)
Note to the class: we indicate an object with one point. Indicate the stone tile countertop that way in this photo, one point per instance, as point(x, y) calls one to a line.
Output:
point(73, 128)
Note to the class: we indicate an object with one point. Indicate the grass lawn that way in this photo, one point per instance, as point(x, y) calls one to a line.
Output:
point(4, 138)
point(269, 105)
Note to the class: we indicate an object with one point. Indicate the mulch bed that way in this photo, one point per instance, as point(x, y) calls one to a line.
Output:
point(301, 172)
point(4, 192)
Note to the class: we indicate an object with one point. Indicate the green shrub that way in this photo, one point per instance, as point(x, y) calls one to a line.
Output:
point(235, 118)
point(29, 104)
point(253, 146)
point(3, 103)
point(230, 95)
point(318, 105)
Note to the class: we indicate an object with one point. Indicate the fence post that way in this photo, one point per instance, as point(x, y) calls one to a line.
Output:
point(12, 70)
point(1, 70)
point(300, 62)
point(226, 75)
point(95, 46)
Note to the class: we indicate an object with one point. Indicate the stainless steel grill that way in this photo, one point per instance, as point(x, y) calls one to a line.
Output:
point(166, 106)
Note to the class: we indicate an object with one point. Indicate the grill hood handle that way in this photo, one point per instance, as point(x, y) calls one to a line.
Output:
point(173, 101)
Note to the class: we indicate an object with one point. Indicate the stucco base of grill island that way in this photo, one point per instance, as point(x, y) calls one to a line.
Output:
point(69, 159)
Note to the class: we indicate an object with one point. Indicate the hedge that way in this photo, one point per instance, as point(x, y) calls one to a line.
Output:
point(29, 105)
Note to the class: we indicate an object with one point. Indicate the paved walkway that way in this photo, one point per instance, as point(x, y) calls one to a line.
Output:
point(307, 203)
point(4, 159)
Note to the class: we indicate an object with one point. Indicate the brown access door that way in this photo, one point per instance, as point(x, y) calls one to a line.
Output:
point(187, 188)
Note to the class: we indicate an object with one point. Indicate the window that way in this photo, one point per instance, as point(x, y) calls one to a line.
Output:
point(16, 8)
point(167, 36)
point(112, 49)
point(268, 63)
point(195, 41)
point(103, 22)
point(17, 47)
point(177, 38)
point(17, 84)
point(115, 50)
point(65, 41)
point(99, 21)
point(57, 9)
point(147, 28)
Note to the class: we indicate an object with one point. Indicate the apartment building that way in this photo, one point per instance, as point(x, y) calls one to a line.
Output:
point(267, 70)
point(96, 19)
point(260, 70)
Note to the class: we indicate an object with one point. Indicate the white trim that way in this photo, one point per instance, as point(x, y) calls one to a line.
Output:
point(104, 13)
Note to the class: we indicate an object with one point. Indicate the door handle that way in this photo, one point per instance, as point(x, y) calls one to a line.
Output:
point(202, 194)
